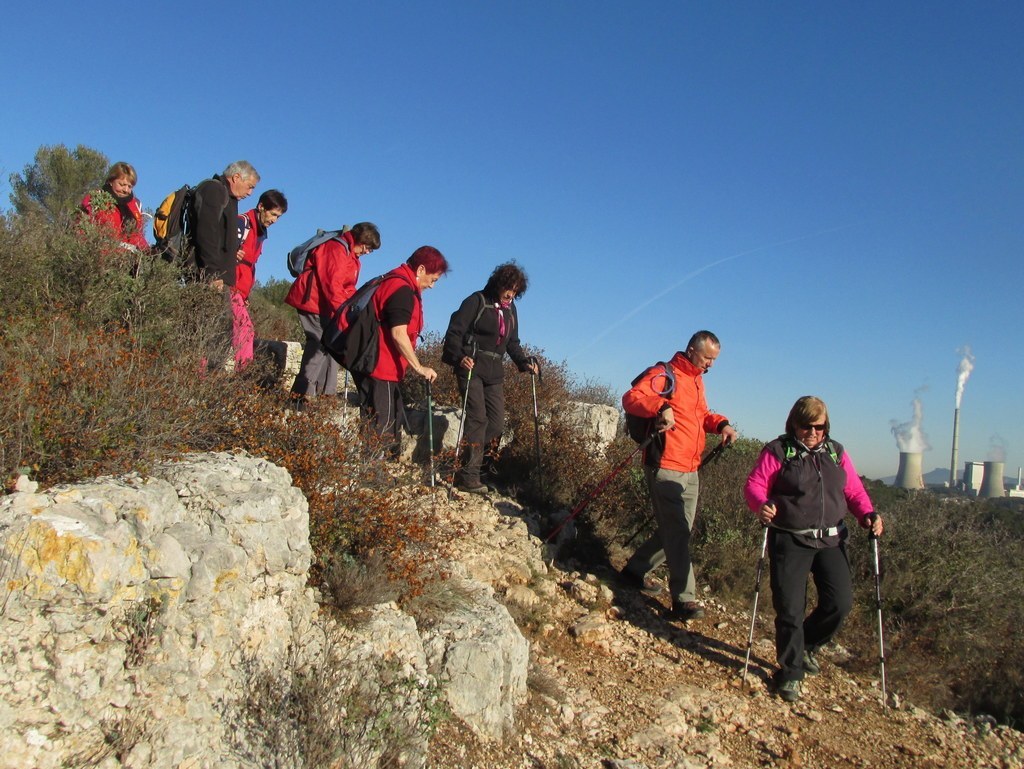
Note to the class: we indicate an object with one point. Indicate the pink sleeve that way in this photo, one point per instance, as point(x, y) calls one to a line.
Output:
point(761, 479)
point(857, 499)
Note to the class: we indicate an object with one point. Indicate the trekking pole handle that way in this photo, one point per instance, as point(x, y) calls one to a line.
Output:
point(540, 374)
point(712, 455)
point(872, 517)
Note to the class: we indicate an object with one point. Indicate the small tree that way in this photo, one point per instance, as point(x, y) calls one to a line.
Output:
point(53, 185)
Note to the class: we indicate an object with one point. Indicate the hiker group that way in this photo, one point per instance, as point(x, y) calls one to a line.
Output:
point(800, 488)
point(372, 332)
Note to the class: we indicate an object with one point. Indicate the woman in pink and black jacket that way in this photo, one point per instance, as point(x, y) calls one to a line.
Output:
point(801, 488)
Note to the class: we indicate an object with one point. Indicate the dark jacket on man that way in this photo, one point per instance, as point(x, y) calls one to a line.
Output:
point(215, 230)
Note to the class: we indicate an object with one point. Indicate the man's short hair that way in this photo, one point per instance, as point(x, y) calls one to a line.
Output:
point(366, 234)
point(430, 259)
point(273, 199)
point(243, 167)
point(701, 338)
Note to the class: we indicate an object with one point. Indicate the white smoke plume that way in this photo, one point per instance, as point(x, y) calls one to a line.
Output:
point(996, 449)
point(963, 371)
point(909, 435)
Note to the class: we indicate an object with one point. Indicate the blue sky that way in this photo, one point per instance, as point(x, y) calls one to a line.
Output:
point(835, 189)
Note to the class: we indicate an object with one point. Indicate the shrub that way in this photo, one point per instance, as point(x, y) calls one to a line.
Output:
point(99, 359)
point(315, 713)
point(272, 318)
point(102, 372)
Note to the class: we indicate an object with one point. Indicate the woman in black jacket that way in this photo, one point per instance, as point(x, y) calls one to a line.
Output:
point(480, 332)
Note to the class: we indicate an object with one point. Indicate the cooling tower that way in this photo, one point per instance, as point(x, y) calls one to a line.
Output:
point(992, 483)
point(909, 474)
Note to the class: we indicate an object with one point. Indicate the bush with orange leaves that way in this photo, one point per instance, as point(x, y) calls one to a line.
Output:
point(103, 370)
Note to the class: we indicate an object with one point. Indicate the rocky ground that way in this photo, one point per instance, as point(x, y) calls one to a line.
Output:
point(613, 684)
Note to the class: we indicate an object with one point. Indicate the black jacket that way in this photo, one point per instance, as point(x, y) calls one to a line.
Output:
point(476, 321)
point(215, 230)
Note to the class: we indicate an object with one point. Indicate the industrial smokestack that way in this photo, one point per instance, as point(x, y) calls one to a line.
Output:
point(963, 371)
point(909, 474)
point(992, 483)
point(956, 446)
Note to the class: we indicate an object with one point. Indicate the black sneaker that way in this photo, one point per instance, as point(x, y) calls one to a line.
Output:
point(811, 666)
point(685, 611)
point(645, 584)
point(789, 691)
point(472, 489)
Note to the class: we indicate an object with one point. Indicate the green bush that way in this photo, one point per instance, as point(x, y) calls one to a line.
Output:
point(104, 369)
point(272, 318)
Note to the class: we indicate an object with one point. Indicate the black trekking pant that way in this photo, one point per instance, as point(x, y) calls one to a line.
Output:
point(381, 405)
point(791, 562)
point(485, 422)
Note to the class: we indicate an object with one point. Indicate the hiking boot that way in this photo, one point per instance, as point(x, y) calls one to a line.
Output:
point(685, 611)
point(811, 666)
point(645, 584)
point(469, 488)
point(789, 691)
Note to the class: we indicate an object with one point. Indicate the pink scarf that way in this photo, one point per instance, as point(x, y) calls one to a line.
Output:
point(498, 306)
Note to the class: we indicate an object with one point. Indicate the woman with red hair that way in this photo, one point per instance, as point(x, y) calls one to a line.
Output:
point(398, 305)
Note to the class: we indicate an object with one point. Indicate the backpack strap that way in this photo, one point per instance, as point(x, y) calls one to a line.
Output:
point(791, 451)
point(670, 380)
point(470, 335)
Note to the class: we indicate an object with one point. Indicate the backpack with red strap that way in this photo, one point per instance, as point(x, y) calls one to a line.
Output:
point(350, 337)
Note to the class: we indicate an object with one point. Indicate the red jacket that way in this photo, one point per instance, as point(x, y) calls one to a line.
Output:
point(329, 278)
point(252, 235)
point(391, 365)
point(104, 211)
point(684, 444)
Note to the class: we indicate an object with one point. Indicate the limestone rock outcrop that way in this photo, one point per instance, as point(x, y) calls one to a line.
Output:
point(166, 621)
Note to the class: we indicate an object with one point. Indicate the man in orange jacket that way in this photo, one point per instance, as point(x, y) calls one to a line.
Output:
point(674, 398)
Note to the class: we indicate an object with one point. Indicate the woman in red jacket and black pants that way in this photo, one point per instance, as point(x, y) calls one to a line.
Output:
point(398, 305)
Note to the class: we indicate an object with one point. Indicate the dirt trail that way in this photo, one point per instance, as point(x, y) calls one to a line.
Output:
point(613, 684)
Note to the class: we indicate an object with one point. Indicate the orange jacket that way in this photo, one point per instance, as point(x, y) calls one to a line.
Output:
point(684, 443)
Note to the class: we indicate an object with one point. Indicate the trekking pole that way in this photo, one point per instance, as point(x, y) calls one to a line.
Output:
point(430, 431)
point(536, 425)
point(757, 594)
point(708, 459)
point(593, 494)
point(462, 424)
point(878, 600)
point(344, 407)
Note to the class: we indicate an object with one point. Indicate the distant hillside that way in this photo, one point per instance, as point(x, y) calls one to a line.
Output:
point(940, 476)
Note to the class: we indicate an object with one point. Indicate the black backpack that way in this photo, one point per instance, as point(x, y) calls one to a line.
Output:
point(640, 428)
point(172, 225)
point(350, 337)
